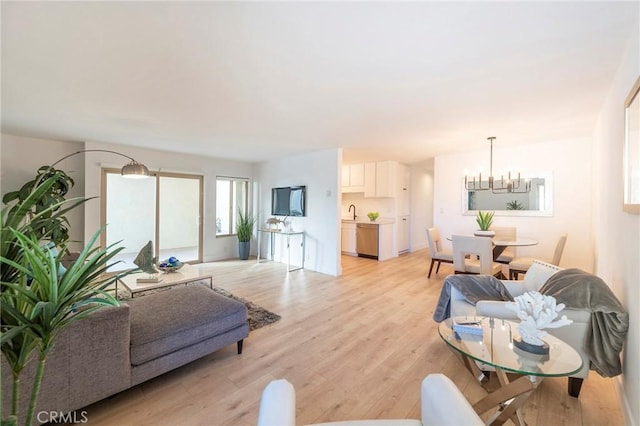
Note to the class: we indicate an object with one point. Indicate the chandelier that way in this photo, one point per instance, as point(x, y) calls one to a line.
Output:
point(497, 186)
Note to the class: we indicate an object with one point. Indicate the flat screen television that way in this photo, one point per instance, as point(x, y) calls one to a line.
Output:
point(288, 201)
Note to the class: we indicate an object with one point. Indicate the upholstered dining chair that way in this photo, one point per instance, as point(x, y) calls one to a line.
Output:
point(521, 265)
point(505, 233)
point(436, 251)
point(481, 247)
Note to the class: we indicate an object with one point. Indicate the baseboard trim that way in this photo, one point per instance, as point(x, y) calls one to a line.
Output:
point(626, 407)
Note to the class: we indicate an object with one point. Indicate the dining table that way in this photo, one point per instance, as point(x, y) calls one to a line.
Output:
point(500, 245)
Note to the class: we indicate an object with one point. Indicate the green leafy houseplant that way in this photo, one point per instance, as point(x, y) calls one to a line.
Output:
point(484, 220)
point(244, 226)
point(43, 302)
point(244, 230)
point(43, 210)
point(515, 205)
point(38, 301)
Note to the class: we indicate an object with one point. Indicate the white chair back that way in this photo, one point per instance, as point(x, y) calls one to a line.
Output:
point(477, 246)
point(557, 254)
point(435, 243)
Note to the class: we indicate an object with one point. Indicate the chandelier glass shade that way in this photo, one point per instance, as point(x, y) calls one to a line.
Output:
point(497, 186)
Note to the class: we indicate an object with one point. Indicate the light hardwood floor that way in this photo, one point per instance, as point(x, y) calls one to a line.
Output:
point(354, 347)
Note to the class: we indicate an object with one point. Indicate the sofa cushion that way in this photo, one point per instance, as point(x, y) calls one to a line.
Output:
point(538, 274)
point(173, 319)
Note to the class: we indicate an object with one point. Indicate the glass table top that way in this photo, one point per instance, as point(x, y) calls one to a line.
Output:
point(495, 347)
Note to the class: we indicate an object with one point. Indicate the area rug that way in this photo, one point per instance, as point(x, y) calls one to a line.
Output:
point(258, 316)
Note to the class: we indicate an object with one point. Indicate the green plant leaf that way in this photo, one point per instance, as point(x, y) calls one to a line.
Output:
point(244, 226)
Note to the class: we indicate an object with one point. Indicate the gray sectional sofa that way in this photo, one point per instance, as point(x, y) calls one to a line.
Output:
point(118, 347)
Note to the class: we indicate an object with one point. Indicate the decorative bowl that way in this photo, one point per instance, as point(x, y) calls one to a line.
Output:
point(170, 265)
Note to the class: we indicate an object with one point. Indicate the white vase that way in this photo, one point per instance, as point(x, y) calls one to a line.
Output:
point(479, 233)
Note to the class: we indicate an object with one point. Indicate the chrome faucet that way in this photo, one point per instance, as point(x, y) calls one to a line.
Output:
point(354, 211)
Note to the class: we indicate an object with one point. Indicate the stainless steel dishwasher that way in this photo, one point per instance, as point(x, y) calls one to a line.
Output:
point(367, 240)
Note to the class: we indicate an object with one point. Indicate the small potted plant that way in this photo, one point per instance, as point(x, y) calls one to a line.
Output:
point(244, 230)
point(484, 220)
point(515, 205)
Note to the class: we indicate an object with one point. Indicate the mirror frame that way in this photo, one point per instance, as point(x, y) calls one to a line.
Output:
point(548, 200)
point(631, 150)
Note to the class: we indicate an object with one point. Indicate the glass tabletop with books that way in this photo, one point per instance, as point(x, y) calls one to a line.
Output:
point(491, 341)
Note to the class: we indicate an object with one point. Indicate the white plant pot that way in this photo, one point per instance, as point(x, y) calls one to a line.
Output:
point(479, 233)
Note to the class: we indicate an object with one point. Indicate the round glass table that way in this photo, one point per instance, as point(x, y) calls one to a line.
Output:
point(500, 245)
point(494, 347)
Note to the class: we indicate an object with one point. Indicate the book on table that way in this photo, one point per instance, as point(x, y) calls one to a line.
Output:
point(467, 325)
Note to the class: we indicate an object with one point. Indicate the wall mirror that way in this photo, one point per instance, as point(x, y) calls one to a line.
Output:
point(537, 202)
point(631, 153)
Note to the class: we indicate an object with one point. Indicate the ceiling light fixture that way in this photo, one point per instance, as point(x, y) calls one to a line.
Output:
point(132, 170)
point(497, 186)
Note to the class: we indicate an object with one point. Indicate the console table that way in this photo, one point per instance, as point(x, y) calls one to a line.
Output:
point(288, 235)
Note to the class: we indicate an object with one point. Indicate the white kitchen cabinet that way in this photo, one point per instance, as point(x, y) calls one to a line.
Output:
point(385, 242)
point(385, 178)
point(346, 175)
point(349, 239)
point(369, 180)
point(382, 179)
point(356, 175)
point(404, 232)
point(353, 177)
point(403, 190)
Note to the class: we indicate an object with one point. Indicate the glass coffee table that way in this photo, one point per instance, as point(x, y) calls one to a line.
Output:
point(495, 348)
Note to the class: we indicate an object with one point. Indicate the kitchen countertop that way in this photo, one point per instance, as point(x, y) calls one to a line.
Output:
point(379, 221)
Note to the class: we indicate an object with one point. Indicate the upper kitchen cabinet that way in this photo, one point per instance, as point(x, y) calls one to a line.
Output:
point(386, 178)
point(370, 179)
point(353, 178)
point(383, 179)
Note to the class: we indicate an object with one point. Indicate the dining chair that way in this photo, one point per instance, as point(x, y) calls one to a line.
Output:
point(505, 233)
point(520, 265)
point(481, 247)
point(437, 253)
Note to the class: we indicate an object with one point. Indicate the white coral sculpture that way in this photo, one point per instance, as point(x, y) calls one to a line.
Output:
point(537, 311)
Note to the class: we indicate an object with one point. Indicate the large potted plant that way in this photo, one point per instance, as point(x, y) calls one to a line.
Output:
point(484, 221)
point(39, 297)
point(244, 231)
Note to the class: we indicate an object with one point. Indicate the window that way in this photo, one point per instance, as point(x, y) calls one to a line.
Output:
point(231, 197)
point(165, 209)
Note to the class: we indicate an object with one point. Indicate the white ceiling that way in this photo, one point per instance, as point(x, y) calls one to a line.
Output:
point(258, 80)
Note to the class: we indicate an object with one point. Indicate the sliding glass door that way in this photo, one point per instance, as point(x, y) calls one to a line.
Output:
point(165, 209)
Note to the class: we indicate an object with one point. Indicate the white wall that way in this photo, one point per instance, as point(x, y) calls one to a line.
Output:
point(320, 172)
point(21, 159)
point(617, 234)
point(421, 204)
point(570, 163)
